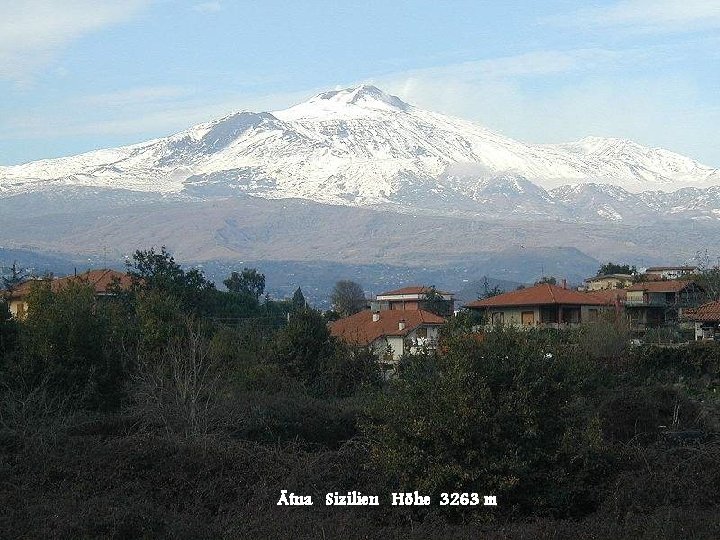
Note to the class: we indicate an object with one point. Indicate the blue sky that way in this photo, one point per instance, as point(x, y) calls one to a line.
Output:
point(77, 75)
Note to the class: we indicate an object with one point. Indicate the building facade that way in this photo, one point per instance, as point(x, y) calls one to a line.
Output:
point(541, 306)
point(656, 303)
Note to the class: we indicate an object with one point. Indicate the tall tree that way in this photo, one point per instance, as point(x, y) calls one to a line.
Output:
point(249, 282)
point(347, 297)
point(434, 302)
point(709, 276)
point(159, 272)
point(8, 333)
point(16, 277)
point(298, 300)
point(489, 292)
point(304, 347)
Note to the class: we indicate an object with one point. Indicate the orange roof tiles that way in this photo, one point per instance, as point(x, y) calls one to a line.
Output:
point(662, 268)
point(610, 296)
point(360, 329)
point(660, 286)
point(542, 294)
point(705, 312)
point(101, 280)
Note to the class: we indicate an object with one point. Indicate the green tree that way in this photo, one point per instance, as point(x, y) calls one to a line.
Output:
point(298, 301)
point(304, 348)
point(65, 339)
point(151, 270)
point(546, 279)
point(434, 302)
point(16, 277)
point(249, 282)
point(352, 369)
point(9, 334)
point(347, 298)
point(709, 276)
point(489, 292)
point(613, 268)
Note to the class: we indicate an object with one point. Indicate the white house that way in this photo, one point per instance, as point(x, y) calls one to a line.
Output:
point(390, 333)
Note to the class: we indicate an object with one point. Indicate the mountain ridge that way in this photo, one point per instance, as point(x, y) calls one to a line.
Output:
point(363, 147)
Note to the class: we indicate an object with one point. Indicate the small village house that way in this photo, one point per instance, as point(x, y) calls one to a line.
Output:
point(101, 280)
point(543, 305)
point(390, 333)
point(657, 303)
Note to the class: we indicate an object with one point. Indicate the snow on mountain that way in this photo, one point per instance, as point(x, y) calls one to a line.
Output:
point(363, 147)
point(606, 202)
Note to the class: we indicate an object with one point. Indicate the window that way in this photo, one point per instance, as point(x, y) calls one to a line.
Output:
point(498, 317)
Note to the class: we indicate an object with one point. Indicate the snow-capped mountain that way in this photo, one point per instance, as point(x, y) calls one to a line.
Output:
point(363, 147)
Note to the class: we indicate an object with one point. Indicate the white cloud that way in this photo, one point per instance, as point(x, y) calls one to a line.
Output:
point(208, 7)
point(536, 63)
point(555, 96)
point(649, 15)
point(462, 89)
point(32, 32)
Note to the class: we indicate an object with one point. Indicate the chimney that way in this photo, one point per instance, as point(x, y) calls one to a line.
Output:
point(401, 324)
point(564, 283)
point(376, 317)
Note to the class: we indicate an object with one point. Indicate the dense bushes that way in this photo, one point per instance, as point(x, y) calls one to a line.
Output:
point(501, 417)
point(145, 415)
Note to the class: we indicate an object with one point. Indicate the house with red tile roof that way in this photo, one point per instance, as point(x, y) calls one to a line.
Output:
point(707, 321)
point(651, 304)
point(543, 305)
point(103, 282)
point(390, 333)
point(412, 298)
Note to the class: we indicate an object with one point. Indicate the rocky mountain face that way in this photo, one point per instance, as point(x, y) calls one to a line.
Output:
point(362, 147)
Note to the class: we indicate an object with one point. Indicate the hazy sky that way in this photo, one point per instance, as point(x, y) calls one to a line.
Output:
point(77, 75)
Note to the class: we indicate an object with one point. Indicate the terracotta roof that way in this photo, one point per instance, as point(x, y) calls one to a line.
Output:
point(360, 329)
point(414, 289)
point(705, 312)
point(661, 268)
point(101, 280)
point(660, 286)
point(609, 296)
point(542, 294)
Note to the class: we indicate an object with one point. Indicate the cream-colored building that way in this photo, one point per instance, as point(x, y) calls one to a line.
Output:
point(609, 281)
